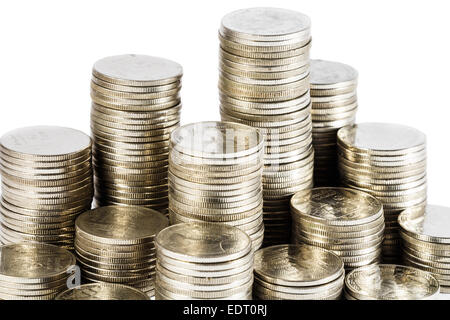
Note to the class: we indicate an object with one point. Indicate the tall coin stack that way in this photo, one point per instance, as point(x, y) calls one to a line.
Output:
point(116, 244)
point(264, 83)
point(46, 184)
point(198, 261)
point(347, 222)
point(297, 272)
point(333, 106)
point(215, 175)
point(390, 282)
point(135, 107)
point(389, 162)
point(425, 236)
point(34, 271)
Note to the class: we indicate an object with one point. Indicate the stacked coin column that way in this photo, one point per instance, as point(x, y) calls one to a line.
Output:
point(203, 261)
point(215, 175)
point(116, 244)
point(135, 107)
point(333, 106)
point(264, 83)
point(46, 184)
point(348, 222)
point(389, 162)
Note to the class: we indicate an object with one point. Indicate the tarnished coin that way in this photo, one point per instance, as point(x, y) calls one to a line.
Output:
point(102, 291)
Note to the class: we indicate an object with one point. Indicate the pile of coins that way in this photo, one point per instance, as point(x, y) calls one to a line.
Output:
point(215, 175)
point(390, 282)
point(333, 106)
point(425, 236)
point(198, 261)
point(34, 271)
point(389, 162)
point(102, 291)
point(46, 184)
point(264, 83)
point(116, 244)
point(135, 107)
point(348, 222)
point(297, 272)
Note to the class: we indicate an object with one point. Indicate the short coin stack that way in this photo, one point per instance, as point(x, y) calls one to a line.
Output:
point(425, 236)
point(264, 83)
point(347, 222)
point(333, 106)
point(135, 107)
point(390, 282)
point(297, 272)
point(46, 184)
point(215, 175)
point(102, 291)
point(389, 162)
point(34, 271)
point(116, 244)
point(198, 261)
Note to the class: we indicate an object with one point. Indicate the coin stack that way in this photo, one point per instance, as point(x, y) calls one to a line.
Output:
point(34, 271)
point(116, 244)
point(264, 83)
point(333, 106)
point(297, 272)
point(135, 107)
point(102, 291)
point(348, 222)
point(46, 184)
point(198, 261)
point(425, 236)
point(389, 162)
point(215, 175)
point(390, 282)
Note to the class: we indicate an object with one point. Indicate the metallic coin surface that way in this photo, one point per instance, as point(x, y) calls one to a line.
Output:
point(102, 291)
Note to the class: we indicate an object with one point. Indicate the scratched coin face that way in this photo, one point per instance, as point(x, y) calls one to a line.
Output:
point(121, 225)
point(391, 282)
point(329, 72)
point(340, 206)
point(33, 262)
point(102, 291)
point(297, 265)
point(199, 242)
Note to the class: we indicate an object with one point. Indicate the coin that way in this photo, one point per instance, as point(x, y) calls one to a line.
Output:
point(102, 291)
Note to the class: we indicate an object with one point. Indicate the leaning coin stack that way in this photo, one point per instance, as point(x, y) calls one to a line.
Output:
point(198, 261)
point(425, 236)
point(264, 83)
point(215, 175)
point(135, 107)
point(297, 272)
point(389, 162)
point(333, 106)
point(102, 291)
point(46, 184)
point(116, 244)
point(348, 222)
point(34, 271)
point(390, 282)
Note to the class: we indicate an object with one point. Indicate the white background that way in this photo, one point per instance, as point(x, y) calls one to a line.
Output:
point(400, 48)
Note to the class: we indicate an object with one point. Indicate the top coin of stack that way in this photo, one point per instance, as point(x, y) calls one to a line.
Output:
point(116, 244)
point(102, 291)
point(297, 272)
point(135, 107)
point(333, 106)
point(46, 183)
point(425, 233)
point(264, 83)
point(389, 162)
point(348, 222)
point(215, 175)
point(203, 261)
point(390, 282)
point(34, 271)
